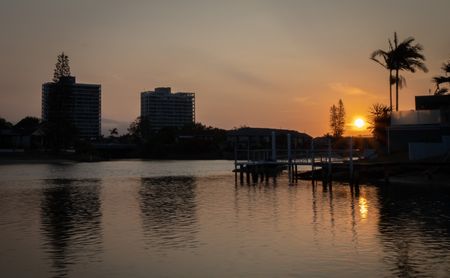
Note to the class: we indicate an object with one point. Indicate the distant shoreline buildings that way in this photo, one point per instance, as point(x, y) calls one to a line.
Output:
point(162, 108)
point(66, 101)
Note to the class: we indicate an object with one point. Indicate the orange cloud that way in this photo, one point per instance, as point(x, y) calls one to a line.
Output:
point(304, 100)
point(349, 90)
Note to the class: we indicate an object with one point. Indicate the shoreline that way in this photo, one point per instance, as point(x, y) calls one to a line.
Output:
point(23, 158)
point(401, 175)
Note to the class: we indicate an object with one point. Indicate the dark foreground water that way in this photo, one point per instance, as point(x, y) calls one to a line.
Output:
point(189, 219)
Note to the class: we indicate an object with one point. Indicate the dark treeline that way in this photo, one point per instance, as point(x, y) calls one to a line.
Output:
point(190, 141)
point(194, 141)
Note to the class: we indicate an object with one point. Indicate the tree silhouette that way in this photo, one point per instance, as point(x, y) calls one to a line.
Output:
point(387, 63)
point(28, 124)
point(337, 119)
point(113, 132)
point(60, 134)
point(404, 56)
point(140, 128)
point(379, 119)
point(438, 80)
point(62, 67)
point(5, 124)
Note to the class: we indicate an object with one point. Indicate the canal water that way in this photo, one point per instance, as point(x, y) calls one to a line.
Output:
point(190, 219)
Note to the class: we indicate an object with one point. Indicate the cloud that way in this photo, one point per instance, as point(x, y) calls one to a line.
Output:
point(244, 77)
point(304, 100)
point(301, 99)
point(225, 67)
point(349, 90)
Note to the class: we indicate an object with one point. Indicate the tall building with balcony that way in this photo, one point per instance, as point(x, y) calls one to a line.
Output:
point(79, 104)
point(162, 108)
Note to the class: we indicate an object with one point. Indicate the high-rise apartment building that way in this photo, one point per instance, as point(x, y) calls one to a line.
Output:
point(79, 104)
point(162, 108)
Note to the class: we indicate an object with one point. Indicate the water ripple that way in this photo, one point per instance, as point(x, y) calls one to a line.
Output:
point(132, 224)
point(71, 222)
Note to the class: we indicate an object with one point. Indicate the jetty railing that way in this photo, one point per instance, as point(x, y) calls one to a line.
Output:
point(275, 160)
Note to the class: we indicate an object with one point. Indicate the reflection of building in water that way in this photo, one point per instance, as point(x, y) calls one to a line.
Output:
point(168, 211)
point(70, 219)
point(414, 227)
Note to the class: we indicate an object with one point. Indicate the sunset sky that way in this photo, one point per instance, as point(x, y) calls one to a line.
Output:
point(278, 64)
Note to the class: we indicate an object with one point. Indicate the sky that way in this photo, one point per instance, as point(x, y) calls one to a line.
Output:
point(278, 64)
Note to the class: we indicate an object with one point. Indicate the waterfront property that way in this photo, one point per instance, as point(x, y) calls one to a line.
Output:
point(66, 101)
point(13, 138)
point(257, 151)
point(260, 153)
point(162, 108)
point(423, 132)
point(261, 138)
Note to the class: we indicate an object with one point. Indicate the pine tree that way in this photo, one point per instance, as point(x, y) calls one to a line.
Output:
point(337, 119)
point(340, 118)
point(62, 67)
point(333, 119)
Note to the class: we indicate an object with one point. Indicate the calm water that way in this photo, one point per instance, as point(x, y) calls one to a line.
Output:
point(189, 219)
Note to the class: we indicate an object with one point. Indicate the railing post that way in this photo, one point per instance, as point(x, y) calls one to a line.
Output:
point(274, 147)
point(235, 155)
point(248, 149)
point(388, 140)
point(329, 157)
point(351, 159)
point(312, 155)
point(235, 161)
point(289, 157)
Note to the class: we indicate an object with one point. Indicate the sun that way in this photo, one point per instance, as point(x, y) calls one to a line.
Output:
point(359, 123)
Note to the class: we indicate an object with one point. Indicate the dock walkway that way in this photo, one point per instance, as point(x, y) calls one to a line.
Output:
point(261, 164)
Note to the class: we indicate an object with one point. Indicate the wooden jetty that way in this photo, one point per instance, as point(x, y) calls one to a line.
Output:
point(326, 164)
point(255, 165)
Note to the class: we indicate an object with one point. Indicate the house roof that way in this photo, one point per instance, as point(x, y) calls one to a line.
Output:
point(255, 131)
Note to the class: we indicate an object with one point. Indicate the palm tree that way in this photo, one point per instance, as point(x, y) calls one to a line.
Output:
point(406, 56)
point(438, 80)
point(386, 62)
point(113, 132)
point(403, 56)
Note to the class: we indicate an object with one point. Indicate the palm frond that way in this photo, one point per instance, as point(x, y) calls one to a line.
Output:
point(401, 81)
point(380, 53)
point(446, 67)
point(441, 79)
point(440, 91)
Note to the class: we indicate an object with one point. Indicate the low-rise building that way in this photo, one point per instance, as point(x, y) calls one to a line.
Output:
point(422, 132)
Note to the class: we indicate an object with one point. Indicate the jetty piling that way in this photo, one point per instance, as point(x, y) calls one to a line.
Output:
point(329, 158)
point(289, 158)
point(351, 160)
point(260, 164)
point(274, 146)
